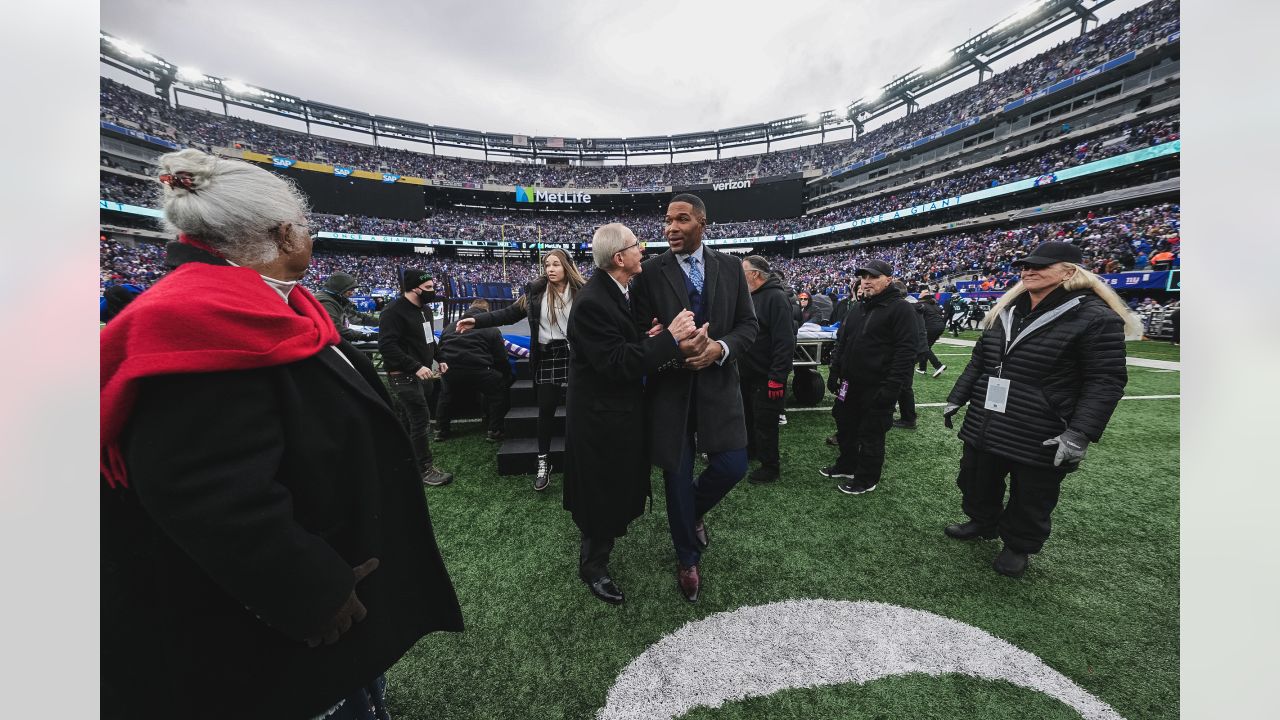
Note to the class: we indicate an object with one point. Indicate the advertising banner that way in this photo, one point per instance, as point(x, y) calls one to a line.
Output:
point(282, 162)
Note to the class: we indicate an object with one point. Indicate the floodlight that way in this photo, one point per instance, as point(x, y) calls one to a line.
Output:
point(190, 74)
point(238, 88)
point(813, 118)
point(872, 94)
point(937, 60)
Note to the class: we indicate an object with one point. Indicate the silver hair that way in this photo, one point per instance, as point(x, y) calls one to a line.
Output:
point(607, 241)
point(229, 204)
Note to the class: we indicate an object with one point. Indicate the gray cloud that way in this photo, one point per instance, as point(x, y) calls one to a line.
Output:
point(567, 67)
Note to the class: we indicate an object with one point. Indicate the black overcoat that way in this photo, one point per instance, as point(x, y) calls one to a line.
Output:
point(252, 495)
point(659, 292)
point(606, 477)
point(1068, 373)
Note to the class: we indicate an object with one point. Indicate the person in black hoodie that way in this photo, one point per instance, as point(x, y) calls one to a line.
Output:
point(407, 341)
point(764, 368)
point(476, 361)
point(1045, 377)
point(334, 296)
point(934, 325)
point(875, 349)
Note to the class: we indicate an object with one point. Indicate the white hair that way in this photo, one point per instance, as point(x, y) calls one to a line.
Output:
point(607, 241)
point(230, 204)
point(1081, 279)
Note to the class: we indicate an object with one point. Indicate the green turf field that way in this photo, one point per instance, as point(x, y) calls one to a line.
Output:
point(1099, 605)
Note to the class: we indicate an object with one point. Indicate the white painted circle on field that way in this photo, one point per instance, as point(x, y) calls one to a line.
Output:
point(759, 650)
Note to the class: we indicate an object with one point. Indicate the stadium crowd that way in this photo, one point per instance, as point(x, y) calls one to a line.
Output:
point(1136, 239)
point(201, 129)
point(529, 226)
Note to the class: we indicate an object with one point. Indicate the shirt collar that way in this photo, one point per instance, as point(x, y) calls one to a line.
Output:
point(696, 253)
point(621, 287)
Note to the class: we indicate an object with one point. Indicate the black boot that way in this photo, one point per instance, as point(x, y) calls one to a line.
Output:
point(1010, 563)
point(971, 531)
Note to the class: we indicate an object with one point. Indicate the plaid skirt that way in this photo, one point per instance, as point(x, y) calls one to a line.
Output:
point(553, 363)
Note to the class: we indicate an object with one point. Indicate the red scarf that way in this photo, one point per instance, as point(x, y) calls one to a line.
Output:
point(200, 318)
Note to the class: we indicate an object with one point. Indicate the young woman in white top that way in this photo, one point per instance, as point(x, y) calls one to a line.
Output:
point(546, 302)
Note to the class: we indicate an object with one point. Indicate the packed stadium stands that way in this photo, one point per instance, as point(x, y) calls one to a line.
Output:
point(1130, 31)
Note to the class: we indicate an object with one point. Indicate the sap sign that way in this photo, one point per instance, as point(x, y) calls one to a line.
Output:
point(732, 185)
point(532, 195)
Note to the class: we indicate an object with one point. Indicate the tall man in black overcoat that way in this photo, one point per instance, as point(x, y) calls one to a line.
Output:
point(696, 407)
point(606, 479)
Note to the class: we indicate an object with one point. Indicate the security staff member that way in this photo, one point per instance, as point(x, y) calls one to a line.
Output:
point(407, 341)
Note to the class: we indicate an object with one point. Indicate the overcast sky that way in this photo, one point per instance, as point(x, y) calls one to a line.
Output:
point(563, 67)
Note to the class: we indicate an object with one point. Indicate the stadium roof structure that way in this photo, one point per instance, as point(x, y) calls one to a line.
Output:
point(1033, 22)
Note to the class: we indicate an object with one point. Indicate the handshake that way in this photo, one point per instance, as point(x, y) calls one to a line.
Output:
point(699, 350)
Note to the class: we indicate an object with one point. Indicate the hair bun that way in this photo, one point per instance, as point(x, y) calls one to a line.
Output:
point(186, 170)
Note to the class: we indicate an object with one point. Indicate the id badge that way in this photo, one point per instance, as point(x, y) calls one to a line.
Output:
point(997, 394)
point(429, 332)
point(844, 390)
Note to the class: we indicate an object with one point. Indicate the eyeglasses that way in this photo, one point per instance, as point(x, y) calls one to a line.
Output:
point(637, 243)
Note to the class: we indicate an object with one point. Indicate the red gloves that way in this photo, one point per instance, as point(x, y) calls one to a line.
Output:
point(776, 390)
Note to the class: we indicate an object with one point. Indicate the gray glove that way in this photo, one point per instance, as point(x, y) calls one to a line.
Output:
point(1072, 446)
point(948, 412)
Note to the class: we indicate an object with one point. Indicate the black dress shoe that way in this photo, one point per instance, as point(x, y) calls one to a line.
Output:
point(971, 531)
point(762, 475)
point(604, 588)
point(1010, 563)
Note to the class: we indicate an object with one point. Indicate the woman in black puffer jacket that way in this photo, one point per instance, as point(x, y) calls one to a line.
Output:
point(1042, 384)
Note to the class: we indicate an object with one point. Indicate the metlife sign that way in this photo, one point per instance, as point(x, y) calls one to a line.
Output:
point(533, 195)
point(733, 184)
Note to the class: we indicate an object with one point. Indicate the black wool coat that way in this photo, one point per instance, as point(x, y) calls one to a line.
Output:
point(252, 495)
point(659, 292)
point(1068, 373)
point(606, 478)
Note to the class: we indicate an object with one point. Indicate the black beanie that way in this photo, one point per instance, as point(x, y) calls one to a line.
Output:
point(412, 278)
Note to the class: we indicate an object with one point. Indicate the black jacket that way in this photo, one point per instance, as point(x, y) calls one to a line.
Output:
point(344, 314)
point(402, 339)
point(531, 308)
point(876, 346)
point(252, 494)
point(1069, 373)
point(606, 475)
point(475, 349)
point(659, 292)
point(934, 322)
point(841, 309)
point(771, 354)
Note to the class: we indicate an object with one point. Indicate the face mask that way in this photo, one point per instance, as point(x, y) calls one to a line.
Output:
point(427, 296)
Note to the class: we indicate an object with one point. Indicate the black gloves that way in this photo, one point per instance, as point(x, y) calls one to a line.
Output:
point(948, 412)
point(1072, 446)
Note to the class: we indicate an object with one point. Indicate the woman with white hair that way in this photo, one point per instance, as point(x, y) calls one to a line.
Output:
point(266, 547)
point(1043, 381)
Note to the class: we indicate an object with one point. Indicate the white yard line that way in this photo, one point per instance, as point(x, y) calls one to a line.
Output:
point(1135, 361)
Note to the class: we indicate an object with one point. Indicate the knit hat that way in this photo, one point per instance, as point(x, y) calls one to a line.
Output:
point(340, 282)
point(412, 278)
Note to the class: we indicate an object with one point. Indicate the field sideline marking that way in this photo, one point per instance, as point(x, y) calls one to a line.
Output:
point(942, 404)
point(1135, 361)
point(759, 650)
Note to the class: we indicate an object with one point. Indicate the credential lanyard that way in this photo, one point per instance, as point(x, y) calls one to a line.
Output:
point(1006, 320)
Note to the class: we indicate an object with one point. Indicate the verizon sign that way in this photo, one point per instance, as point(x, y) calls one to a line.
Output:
point(733, 184)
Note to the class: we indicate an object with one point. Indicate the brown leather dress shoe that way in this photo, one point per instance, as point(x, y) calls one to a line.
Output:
point(689, 581)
